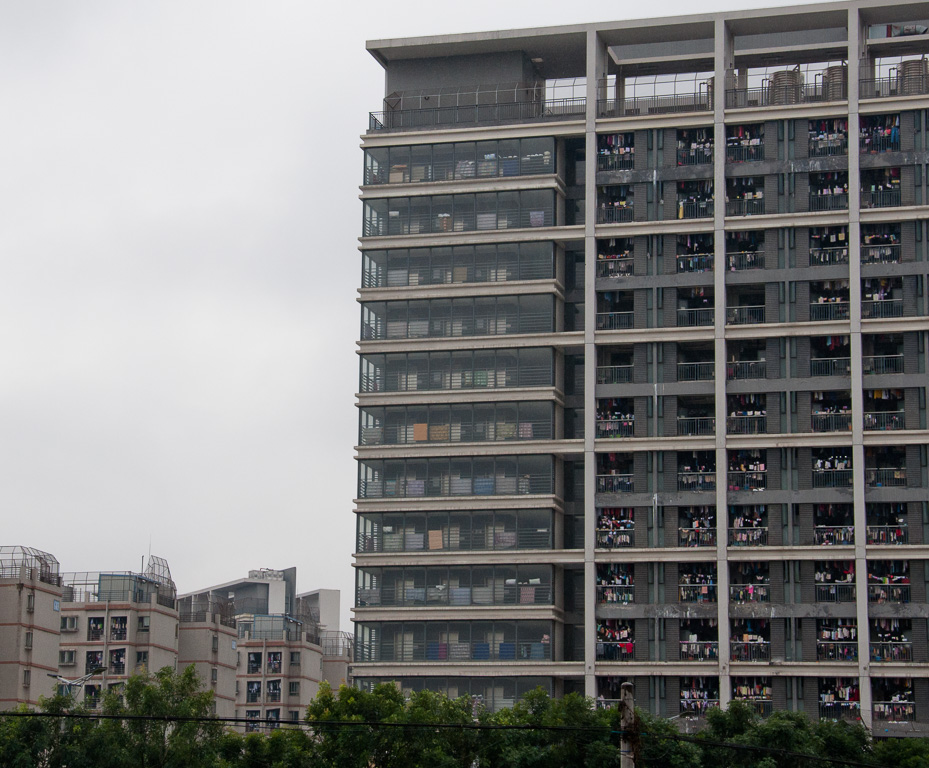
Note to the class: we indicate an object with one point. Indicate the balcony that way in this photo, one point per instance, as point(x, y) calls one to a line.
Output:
point(745, 207)
point(891, 652)
point(828, 257)
point(623, 160)
point(831, 422)
point(888, 534)
point(834, 535)
point(608, 268)
point(873, 142)
point(491, 594)
point(840, 710)
point(745, 315)
point(754, 651)
point(828, 202)
point(836, 651)
point(615, 593)
point(747, 425)
point(697, 593)
point(696, 262)
point(699, 651)
point(616, 483)
point(689, 318)
point(746, 369)
point(830, 366)
point(885, 477)
point(614, 214)
point(118, 635)
point(888, 593)
point(878, 365)
point(743, 260)
point(400, 650)
point(460, 221)
point(694, 209)
point(608, 428)
point(614, 374)
point(118, 668)
point(785, 94)
point(273, 697)
point(654, 105)
point(835, 593)
point(695, 156)
point(615, 651)
point(831, 310)
point(880, 254)
point(875, 310)
point(748, 537)
point(696, 425)
point(749, 593)
point(884, 420)
point(696, 537)
point(704, 371)
point(745, 153)
point(832, 478)
point(95, 634)
point(893, 711)
point(836, 146)
point(615, 321)
point(696, 481)
point(614, 538)
point(747, 481)
point(885, 198)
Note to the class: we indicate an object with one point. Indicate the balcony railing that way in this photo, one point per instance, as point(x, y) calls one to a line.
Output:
point(460, 221)
point(696, 537)
point(614, 374)
point(750, 593)
point(455, 486)
point(836, 651)
point(615, 214)
point(458, 539)
point(655, 105)
point(748, 537)
point(618, 161)
point(615, 267)
point(695, 156)
point(745, 207)
point(741, 260)
point(747, 481)
point(885, 198)
point(837, 146)
point(828, 257)
point(696, 371)
point(875, 310)
point(615, 651)
point(616, 427)
point(888, 593)
point(747, 369)
point(616, 483)
point(888, 534)
point(885, 477)
point(745, 153)
point(696, 425)
point(872, 143)
point(832, 478)
point(694, 209)
point(407, 434)
point(119, 635)
point(782, 95)
point(893, 711)
point(880, 254)
point(616, 593)
point(481, 378)
point(882, 364)
point(830, 366)
point(516, 111)
point(95, 634)
point(696, 481)
point(835, 593)
point(695, 262)
point(884, 420)
point(696, 708)
point(522, 322)
point(688, 318)
point(747, 425)
point(832, 310)
point(831, 422)
point(453, 652)
point(745, 315)
point(830, 202)
point(614, 538)
point(614, 321)
point(118, 668)
point(697, 593)
point(882, 652)
point(754, 651)
point(707, 650)
point(834, 535)
point(493, 594)
point(840, 710)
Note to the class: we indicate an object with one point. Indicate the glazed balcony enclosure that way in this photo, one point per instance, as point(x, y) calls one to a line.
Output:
point(455, 531)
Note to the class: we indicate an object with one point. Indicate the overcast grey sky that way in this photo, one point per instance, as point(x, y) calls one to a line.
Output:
point(179, 270)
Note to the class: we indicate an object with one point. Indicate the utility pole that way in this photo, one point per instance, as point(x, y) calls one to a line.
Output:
point(626, 723)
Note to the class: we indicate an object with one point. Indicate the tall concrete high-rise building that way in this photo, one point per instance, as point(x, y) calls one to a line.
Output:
point(643, 363)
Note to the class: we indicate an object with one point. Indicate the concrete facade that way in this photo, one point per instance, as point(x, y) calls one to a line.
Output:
point(643, 364)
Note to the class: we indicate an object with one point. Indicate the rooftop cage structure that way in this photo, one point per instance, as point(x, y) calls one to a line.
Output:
point(122, 586)
point(28, 563)
point(203, 607)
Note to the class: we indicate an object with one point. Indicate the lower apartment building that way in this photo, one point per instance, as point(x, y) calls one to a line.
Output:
point(634, 409)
